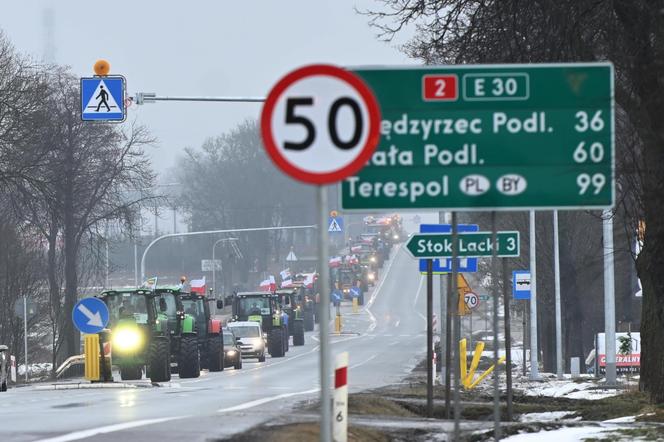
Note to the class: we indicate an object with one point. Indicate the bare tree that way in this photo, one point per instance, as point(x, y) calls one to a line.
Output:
point(631, 35)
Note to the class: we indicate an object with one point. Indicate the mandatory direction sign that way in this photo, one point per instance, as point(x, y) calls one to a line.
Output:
point(102, 98)
point(320, 124)
point(90, 315)
point(489, 137)
point(475, 244)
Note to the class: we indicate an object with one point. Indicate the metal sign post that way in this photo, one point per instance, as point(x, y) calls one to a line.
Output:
point(429, 338)
point(559, 322)
point(25, 334)
point(534, 357)
point(303, 137)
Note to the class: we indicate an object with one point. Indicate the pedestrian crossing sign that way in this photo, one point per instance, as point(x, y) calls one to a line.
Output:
point(102, 98)
point(336, 225)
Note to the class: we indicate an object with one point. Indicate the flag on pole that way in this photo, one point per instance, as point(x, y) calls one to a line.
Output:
point(198, 285)
point(288, 283)
point(151, 283)
point(285, 274)
point(335, 262)
point(269, 285)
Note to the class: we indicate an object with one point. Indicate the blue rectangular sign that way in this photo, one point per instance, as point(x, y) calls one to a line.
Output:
point(335, 224)
point(103, 98)
point(466, 265)
point(521, 284)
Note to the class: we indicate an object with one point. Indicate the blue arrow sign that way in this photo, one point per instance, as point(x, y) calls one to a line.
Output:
point(466, 265)
point(521, 284)
point(102, 99)
point(90, 315)
point(355, 292)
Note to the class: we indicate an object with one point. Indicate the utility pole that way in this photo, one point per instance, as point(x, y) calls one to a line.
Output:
point(559, 321)
point(534, 363)
point(609, 299)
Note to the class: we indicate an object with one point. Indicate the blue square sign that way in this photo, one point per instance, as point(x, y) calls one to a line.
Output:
point(103, 98)
point(521, 284)
point(444, 265)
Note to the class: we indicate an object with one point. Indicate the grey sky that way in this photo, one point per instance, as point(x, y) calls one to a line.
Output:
point(198, 48)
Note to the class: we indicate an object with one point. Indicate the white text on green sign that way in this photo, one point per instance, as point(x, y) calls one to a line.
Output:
point(472, 244)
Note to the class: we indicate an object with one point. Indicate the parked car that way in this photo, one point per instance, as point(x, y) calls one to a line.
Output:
point(232, 351)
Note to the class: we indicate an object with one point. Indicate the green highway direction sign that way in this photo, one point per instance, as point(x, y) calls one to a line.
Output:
point(533, 136)
point(472, 244)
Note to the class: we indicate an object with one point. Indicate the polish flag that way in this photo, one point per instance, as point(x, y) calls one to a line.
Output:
point(269, 285)
point(309, 280)
point(356, 249)
point(198, 285)
point(285, 274)
point(288, 283)
point(335, 262)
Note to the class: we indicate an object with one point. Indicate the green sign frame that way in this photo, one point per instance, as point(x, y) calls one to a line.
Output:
point(489, 137)
point(468, 245)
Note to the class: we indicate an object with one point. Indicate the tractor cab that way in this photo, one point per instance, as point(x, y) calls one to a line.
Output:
point(263, 307)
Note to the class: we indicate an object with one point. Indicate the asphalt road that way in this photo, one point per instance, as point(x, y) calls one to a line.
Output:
point(384, 342)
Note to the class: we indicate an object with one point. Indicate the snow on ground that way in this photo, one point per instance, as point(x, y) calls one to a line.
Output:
point(567, 388)
point(549, 416)
point(560, 435)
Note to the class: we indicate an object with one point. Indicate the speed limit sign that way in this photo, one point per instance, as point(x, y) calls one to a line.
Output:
point(320, 124)
point(471, 300)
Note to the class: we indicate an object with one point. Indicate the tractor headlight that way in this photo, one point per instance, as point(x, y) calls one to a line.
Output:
point(372, 276)
point(396, 237)
point(231, 352)
point(127, 339)
point(372, 259)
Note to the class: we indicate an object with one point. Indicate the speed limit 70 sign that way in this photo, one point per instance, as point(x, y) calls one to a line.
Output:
point(471, 300)
point(320, 124)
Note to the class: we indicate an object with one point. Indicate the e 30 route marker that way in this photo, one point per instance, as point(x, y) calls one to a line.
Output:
point(320, 124)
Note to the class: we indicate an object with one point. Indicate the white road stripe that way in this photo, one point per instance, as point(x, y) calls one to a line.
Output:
point(258, 402)
point(76, 435)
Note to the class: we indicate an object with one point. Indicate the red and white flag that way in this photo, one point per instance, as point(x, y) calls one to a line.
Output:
point(335, 261)
point(198, 285)
point(286, 284)
point(269, 285)
point(285, 274)
point(309, 279)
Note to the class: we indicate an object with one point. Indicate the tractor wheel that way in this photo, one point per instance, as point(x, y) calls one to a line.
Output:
point(131, 372)
point(275, 343)
point(308, 320)
point(298, 333)
point(215, 353)
point(159, 361)
point(189, 361)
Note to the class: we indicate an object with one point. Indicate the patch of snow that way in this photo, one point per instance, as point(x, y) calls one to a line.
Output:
point(568, 389)
point(562, 434)
point(549, 416)
point(621, 420)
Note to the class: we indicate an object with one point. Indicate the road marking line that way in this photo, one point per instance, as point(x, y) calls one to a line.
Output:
point(362, 363)
point(367, 308)
point(417, 295)
point(258, 402)
point(76, 435)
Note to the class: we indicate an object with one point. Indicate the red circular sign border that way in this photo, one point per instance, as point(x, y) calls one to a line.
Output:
point(374, 124)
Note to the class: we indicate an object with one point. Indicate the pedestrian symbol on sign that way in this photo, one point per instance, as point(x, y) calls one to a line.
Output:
point(335, 226)
point(103, 98)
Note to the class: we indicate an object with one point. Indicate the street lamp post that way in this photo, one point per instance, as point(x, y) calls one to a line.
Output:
point(214, 262)
point(212, 232)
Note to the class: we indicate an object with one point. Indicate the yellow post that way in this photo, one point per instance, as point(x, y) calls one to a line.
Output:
point(463, 363)
point(479, 348)
point(91, 351)
point(337, 324)
point(356, 306)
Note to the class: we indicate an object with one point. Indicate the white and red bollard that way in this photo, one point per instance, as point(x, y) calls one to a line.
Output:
point(340, 409)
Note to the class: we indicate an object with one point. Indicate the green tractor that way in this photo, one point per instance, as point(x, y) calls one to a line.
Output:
point(208, 330)
point(185, 359)
point(292, 303)
point(139, 334)
point(263, 307)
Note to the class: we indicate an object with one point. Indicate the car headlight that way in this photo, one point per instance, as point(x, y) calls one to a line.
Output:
point(257, 345)
point(396, 237)
point(127, 339)
point(231, 352)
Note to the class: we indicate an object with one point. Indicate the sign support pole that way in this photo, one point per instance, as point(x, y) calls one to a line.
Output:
point(457, 325)
point(534, 364)
point(324, 312)
point(508, 338)
point(559, 326)
point(429, 338)
point(448, 347)
point(443, 317)
point(524, 329)
point(494, 287)
point(25, 334)
point(609, 299)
